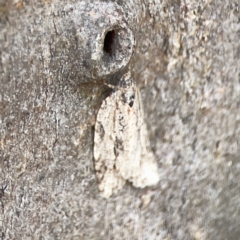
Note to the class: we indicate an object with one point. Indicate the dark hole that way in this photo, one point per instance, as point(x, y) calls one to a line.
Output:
point(109, 42)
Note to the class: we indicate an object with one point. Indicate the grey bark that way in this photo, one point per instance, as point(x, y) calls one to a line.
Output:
point(53, 70)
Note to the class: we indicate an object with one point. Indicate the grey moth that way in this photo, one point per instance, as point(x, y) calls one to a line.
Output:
point(121, 144)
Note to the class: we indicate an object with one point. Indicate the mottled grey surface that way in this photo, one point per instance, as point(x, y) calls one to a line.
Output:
point(52, 73)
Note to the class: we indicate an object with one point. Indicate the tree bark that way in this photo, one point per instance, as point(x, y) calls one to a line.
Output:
point(57, 59)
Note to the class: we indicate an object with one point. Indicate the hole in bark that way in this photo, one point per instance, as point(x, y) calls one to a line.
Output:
point(109, 42)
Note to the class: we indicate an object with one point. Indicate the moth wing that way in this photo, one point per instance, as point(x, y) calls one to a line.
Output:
point(135, 159)
point(121, 145)
point(110, 181)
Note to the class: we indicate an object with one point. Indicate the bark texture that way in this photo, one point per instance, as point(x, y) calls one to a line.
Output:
point(55, 60)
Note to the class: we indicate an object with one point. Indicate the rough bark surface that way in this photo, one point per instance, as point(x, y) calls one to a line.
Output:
point(55, 59)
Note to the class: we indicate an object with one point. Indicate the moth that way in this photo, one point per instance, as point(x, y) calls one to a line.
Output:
point(122, 149)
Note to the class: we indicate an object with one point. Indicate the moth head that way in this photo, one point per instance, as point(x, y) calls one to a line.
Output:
point(126, 80)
